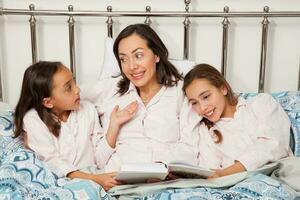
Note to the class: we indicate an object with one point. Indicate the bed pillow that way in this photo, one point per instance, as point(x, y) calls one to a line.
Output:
point(110, 65)
point(111, 68)
point(290, 101)
point(183, 66)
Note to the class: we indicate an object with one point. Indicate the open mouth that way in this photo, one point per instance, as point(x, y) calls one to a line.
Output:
point(210, 113)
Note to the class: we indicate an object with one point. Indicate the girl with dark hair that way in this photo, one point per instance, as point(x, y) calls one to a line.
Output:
point(149, 79)
point(62, 130)
point(235, 134)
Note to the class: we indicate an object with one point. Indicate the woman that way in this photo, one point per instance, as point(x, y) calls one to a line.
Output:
point(154, 84)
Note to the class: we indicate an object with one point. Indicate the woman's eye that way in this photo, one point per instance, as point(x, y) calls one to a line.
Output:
point(139, 55)
point(122, 60)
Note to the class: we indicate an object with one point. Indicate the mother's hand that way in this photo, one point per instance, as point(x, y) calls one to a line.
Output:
point(117, 119)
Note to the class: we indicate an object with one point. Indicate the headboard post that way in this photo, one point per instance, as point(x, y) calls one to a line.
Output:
point(186, 23)
point(109, 23)
point(225, 23)
point(148, 20)
point(32, 22)
point(263, 54)
point(71, 23)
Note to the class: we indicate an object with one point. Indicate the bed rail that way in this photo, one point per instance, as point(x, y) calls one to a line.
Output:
point(148, 14)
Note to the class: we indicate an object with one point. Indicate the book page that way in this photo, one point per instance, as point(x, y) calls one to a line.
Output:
point(185, 170)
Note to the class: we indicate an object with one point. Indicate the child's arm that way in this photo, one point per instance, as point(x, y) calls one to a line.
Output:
point(42, 142)
point(186, 148)
point(271, 133)
point(232, 169)
point(106, 180)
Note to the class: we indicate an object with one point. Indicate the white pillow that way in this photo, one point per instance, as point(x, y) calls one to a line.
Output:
point(111, 68)
point(183, 66)
point(110, 65)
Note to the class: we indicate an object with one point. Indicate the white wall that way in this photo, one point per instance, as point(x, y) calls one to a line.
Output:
point(244, 40)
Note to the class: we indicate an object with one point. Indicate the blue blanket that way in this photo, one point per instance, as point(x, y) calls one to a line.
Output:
point(24, 176)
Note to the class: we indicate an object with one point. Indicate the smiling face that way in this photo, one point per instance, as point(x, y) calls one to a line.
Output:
point(65, 93)
point(138, 62)
point(209, 101)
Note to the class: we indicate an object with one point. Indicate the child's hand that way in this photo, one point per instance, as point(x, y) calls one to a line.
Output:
point(107, 180)
point(217, 173)
point(232, 169)
point(119, 117)
point(172, 176)
point(153, 180)
point(25, 140)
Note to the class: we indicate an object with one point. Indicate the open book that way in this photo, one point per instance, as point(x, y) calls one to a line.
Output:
point(185, 170)
point(141, 172)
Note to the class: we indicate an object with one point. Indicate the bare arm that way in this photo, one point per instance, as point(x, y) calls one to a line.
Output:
point(232, 169)
point(106, 180)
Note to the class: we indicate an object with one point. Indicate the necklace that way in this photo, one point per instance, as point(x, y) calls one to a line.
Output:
point(145, 100)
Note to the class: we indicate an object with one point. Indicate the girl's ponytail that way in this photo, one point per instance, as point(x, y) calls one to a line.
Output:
point(217, 133)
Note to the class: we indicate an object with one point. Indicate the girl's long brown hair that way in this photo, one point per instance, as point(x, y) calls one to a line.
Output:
point(208, 72)
point(37, 85)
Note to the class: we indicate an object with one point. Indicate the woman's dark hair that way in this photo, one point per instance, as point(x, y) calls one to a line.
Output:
point(166, 73)
point(37, 85)
point(208, 72)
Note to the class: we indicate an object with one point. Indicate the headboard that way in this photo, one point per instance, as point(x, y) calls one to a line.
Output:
point(187, 16)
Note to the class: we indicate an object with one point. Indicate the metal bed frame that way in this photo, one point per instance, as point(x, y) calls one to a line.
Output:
point(187, 14)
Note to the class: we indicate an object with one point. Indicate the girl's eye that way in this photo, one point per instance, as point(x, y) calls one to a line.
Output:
point(68, 88)
point(193, 103)
point(206, 96)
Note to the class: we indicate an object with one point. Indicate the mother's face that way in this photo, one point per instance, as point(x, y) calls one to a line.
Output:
point(138, 62)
